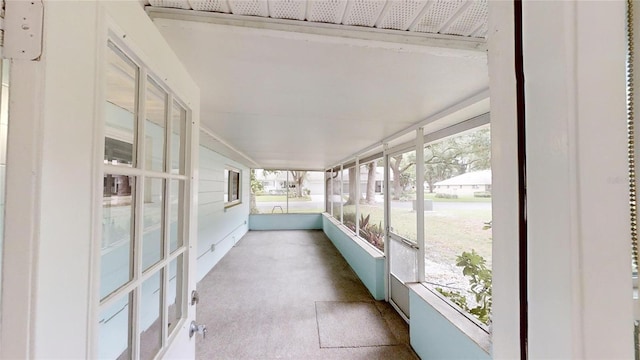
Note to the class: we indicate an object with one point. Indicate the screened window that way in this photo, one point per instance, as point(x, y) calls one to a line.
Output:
point(371, 203)
point(287, 191)
point(458, 227)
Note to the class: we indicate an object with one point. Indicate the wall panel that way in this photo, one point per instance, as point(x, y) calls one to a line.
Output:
point(218, 228)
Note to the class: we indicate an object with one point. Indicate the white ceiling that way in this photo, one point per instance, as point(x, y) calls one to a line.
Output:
point(305, 101)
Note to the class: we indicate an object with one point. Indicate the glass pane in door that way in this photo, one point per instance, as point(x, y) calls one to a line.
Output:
point(120, 108)
point(174, 293)
point(154, 126)
point(153, 213)
point(175, 220)
point(404, 261)
point(151, 316)
point(178, 125)
point(403, 219)
point(117, 232)
point(114, 330)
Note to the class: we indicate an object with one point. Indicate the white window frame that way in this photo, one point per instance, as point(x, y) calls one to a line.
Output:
point(229, 187)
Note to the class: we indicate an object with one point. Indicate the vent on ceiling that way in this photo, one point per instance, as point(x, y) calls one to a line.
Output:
point(438, 15)
point(250, 7)
point(287, 9)
point(470, 20)
point(180, 4)
point(363, 12)
point(210, 5)
point(328, 11)
point(401, 14)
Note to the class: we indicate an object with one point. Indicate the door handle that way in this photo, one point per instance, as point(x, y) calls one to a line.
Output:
point(195, 328)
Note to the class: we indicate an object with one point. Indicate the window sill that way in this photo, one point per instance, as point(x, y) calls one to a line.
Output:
point(231, 204)
point(470, 328)
point(290, 213)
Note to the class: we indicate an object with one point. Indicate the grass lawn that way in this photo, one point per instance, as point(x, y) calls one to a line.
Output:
point(447, 232)
point(433, 197)
point(278, 198)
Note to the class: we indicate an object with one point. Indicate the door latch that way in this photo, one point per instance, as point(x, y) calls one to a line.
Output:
point(195, 297)
point(195, 328)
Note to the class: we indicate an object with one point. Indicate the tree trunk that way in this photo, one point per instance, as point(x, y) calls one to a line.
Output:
point(298, 180)
point(431, 186)
point(353, 196)
point(395, 169)
point(371, 184)
point(299, 187)
point(253, 208)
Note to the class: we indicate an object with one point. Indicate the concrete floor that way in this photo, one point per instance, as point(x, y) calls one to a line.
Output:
point(290, 295)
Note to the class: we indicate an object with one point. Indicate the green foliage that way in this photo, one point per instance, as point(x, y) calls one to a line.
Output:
point(256, 185)
point(373, 233)
point(456, 156)
point(446, 196)
point(480, 279)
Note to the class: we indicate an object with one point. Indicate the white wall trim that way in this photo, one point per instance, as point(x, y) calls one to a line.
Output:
point(22, 212)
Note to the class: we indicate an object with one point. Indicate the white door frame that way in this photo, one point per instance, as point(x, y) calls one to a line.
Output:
point(52, 182)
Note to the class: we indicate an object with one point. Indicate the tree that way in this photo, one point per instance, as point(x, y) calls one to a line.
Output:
point(397, 168)
point(353, 195)
point(256, 186)
point(456, 156)
point(371, 183)
point(299, 178)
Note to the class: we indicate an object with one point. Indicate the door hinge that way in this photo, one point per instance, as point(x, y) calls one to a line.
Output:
point(22, 27)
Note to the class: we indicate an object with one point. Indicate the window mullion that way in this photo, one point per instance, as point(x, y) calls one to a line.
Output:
point(139, 216)
point(166, 224)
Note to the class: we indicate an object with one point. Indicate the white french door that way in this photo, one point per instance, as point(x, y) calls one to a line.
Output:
point(99, 213)
point(146, 266)
point(402, 243)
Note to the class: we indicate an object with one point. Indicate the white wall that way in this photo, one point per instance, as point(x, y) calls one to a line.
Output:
point(218, 226)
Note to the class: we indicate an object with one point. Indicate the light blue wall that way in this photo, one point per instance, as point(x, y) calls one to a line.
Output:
point(285, 222)
point(370, 269)
point(218, 228)
point(435, 337)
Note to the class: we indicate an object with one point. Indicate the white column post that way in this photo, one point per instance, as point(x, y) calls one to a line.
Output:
point(357, 199)
point(504, 188)
point(420, 200)
point(341, 189)
point(387, 204)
